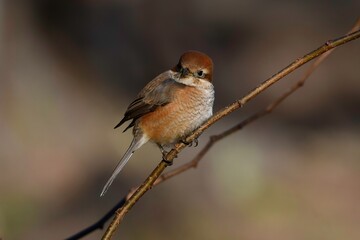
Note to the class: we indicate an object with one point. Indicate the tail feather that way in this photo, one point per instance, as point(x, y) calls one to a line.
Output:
point(135, 144)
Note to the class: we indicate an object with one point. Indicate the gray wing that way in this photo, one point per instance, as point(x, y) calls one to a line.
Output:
point(156, 93)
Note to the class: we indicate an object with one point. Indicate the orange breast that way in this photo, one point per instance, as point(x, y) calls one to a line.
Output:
point(169, 123)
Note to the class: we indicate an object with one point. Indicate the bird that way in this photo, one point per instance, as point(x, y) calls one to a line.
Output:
point(170, 106)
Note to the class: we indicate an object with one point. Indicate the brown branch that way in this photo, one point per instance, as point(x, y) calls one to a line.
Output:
point(147, 184)
point(215, 138)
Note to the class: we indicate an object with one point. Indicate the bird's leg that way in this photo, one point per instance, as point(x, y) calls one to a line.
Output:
point(164, 153)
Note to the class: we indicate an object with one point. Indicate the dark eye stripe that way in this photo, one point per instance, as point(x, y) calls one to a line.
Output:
point(178, 67)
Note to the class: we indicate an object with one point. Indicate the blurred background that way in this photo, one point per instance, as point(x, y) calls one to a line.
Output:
point(69, 69)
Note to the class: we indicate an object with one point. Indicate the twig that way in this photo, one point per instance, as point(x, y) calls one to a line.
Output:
point(147, 184)
point(213, 139)
point(99, 224)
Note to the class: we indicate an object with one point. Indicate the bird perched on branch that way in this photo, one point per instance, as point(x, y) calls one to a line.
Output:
point(170, 107)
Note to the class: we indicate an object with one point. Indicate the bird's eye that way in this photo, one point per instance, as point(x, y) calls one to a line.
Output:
point(200, 74)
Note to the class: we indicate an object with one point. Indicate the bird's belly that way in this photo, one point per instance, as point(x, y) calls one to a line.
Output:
point(169, 123)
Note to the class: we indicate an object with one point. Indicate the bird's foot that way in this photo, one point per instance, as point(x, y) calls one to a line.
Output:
point(167, 161)
point(164, 154)
point(189, 144)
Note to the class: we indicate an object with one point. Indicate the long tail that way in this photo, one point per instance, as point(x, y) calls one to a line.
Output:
point(135, 144)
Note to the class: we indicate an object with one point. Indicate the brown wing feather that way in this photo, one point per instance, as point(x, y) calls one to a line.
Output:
point(156, 93)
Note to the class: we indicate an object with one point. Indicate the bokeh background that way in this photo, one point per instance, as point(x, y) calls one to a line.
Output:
point(69, 69)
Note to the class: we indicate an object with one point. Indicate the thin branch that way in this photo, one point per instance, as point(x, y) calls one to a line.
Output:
point(147, 184)
point(213, 139)
point(99, 224)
